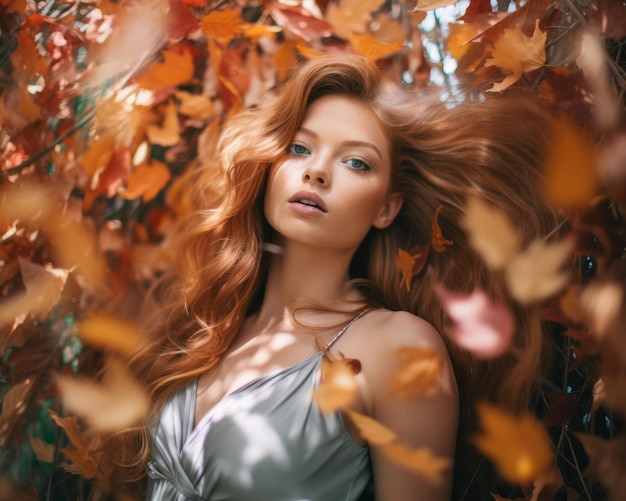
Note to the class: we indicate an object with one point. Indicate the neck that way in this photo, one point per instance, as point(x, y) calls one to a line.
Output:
point(304, 275)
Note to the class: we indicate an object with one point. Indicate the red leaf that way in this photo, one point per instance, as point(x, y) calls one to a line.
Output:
point(182, 21)
point(300, 21)
point(439, 243)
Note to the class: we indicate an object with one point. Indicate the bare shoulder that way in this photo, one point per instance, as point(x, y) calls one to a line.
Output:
point(388, 331)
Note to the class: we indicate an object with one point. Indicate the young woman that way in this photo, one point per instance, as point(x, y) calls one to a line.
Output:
point(290, 259)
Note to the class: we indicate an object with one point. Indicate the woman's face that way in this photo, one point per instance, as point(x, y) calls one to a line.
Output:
point(332, 184)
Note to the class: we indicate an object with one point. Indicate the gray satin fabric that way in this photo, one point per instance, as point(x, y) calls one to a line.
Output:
point(267, 441)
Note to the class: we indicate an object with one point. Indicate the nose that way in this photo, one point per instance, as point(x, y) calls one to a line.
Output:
point(317, 171)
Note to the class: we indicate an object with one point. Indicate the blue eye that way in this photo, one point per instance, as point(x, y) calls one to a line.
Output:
point(298, 149)
point(358, 164)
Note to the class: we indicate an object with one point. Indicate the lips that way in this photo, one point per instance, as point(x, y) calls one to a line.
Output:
point(308, 198)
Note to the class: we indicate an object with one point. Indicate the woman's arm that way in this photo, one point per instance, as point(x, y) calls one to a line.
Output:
point(428, 421)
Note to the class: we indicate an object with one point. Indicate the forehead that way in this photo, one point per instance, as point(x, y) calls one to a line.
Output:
point(345, 118)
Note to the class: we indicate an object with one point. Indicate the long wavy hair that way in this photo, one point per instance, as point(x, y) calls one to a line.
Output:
point(441, 156)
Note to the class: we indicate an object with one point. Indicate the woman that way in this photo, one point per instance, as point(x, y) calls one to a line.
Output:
point(291, 259)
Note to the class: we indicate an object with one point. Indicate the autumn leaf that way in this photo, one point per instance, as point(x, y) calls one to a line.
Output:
point(223, 24)
point(538, 272)
point(14, 404)
point(517, 53)
point(98, 154)
point(371, 48)
point(601, 304)
point(561, 408)
point(571, 176)
point(43, 450)
point(338, 387)
point(374, 432)
point(425, 5)
point(481, 327)
point(419, 373)
point(83, 461)
point(351, 16)
point(518, 445)
point(147, 181)
point(110, 332)
point(438, 242)
point(300, 22)
point(116, 404)
point(43, 284)
point(412, 263)
point(169, 133)
point(25, 58)
point(459, 38)
point(607, 463)
point(176, 68)
point(490, 233)
point(421, 460)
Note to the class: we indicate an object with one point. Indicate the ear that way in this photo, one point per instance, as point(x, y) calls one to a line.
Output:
point(388, 211)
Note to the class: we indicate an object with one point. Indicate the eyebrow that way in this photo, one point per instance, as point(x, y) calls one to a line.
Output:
point(367, 144)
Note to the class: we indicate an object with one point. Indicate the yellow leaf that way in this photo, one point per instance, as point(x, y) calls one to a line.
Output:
point(169, 133)
point(433, 4)
point(351, 16)
point(518, 445)
point(338, 387)
point(176, 68)
point(419, 374)
point(147, 181)
point(223, 24)
point(195, 105)
point(371, 430)
point(75, 247)
point(109, 332)
point(116, 404)
point(438, 242)
point(537, 273)
point(372, 48)
point(98, 154)
point(491, 233)
point(459, 38)
point(421, 460)
point(571, 176)
point(517, 53)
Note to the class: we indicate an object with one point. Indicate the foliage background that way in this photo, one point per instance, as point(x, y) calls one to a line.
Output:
point(106, 106)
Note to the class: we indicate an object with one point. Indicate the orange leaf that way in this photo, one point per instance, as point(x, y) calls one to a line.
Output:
point(421, 460)
point(419, 374)
point(26, 57)
point(518, 445)
point(460, 37)
point(338, 387)
point(43, 450)
point(438, 243)
point(371, 48)
point(176, 68)
point(82, 459)
point(412, 263)
point(517, 53)
point(169, 133)
point(260, 30)
point(98, 154)
point(351, 16)
point(571, 176)
point(285, 60)
point(147, 181)
point(371, 430)
point(223, 24)
point(109, 332)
